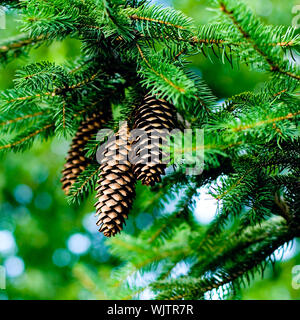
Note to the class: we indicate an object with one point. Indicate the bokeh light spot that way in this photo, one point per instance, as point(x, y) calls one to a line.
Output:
point(23, 194)
point(206, 206)
point(79, 243)
point(14, 266)
point(7, 242)
point(89, 223)
point(61, 257)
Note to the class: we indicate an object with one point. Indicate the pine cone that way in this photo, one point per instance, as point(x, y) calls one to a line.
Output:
point(116, 184)
point(154, 116)
point(76, 162)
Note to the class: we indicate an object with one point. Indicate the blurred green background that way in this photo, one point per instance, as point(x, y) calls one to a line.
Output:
point(52, 250)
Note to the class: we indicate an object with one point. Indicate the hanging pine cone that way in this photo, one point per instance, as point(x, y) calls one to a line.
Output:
point(76, 162)
point(116, 184)
point(153, 116)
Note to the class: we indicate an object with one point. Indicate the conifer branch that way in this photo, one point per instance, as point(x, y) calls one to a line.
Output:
point(18, 44)
point(274, 67)
point(11, 49)
point(195, 287)
point(57, 91)
point(277, 119)
point(168, 81)
point(27, 116)
point(84, 183)
point(136, 17)
point(27, 137)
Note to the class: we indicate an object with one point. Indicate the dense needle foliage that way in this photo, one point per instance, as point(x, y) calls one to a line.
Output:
point(251, 140)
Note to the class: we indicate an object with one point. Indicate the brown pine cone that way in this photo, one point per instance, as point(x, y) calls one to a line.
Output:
point(76, 162)
point(155, 117)
point(116, 184)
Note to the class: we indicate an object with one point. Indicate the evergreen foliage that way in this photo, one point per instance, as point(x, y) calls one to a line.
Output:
point(251, 144)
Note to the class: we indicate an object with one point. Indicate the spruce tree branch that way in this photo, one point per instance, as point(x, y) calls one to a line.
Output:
point(182, 90)
point(192, 39)
point(234, 272)
point(178, 54)
point(273, 65)
point(209, 147)
point(41, 113)
point(157, 255)
point(228, 279)
point(231, 104)
point(18, 44)
point(84, 184)
point(280, 92)
point(165, 225)
point(27, 116)
point(57, 91)
point(136, 17)
point(241, 128)
point(196, 40)
point(283, 44)
point(237, 183)
point(277, 119)
point(166, 254)
point(33, 134)
point(180, 214)
point(238, 244)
